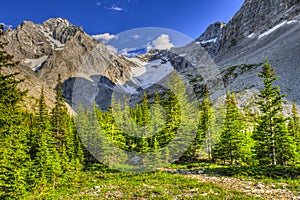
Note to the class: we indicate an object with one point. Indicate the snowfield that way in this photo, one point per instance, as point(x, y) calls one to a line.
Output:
point(146, 75)
point(35, 64)
point(209, 41)
point(272, 30)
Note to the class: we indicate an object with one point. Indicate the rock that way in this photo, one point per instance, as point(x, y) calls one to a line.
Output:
point(259, 186)
point(62, 48)
point(242, 43)
point(211, 38)
point(136, 160)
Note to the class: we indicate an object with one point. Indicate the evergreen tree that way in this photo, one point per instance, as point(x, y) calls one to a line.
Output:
point(205, 126)
point(285, 144)
point(47, 160)
point(294, 129)
point(230, 144)
point(86, 126)
point(60, 117)
point(270, 125)
point(182, 117)
point(64, 130)
point(14, 150)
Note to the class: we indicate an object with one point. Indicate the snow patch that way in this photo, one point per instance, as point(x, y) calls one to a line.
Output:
point(272, 29)
point(209, 41)
point(138, 71)
point(146, 75)
point(137, 61)
point(292, 22)
point(251, 35)
point(35, 64)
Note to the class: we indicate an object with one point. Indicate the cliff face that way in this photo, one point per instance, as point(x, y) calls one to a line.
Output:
point(58, 47)
point(212, 37)
point(256, 17)
point(262, 30)
point(259, 30)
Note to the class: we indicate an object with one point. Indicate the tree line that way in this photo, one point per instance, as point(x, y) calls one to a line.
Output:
point(225, 135)
point(41, 150)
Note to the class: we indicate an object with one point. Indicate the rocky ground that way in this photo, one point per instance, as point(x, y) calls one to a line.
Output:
point(266, 191)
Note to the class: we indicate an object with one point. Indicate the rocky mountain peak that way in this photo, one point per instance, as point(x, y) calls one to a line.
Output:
point(213, 31)
point(256, 17)
point(211, 38)
point(253, 19)
point(61, 29)
point(56, 22)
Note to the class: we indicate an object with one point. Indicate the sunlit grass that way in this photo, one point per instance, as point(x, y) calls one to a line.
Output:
point(98, 182)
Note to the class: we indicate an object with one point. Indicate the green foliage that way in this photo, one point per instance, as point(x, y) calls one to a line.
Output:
point(48, 167)
point(205, 130)
point(14, 157)
point(40, 153)
point(232, 144)
point(294, 130)
point(270, 134)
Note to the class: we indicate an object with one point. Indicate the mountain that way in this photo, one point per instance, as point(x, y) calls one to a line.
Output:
point(58, 47)
point(260, 30)
point(211, 38)
point(225, 55)
point(91, 72)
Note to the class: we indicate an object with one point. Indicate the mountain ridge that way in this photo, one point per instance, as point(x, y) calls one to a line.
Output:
point(238, 48)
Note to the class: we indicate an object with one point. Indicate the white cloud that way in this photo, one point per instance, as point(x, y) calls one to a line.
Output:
point(115, 8)
point(6, 25)
point(112, 48)
point(136, 37)
point(131, 52)
point(105, 37)
point(149, 47)
point(98, 3)
point(162, 42)
point(125, 52)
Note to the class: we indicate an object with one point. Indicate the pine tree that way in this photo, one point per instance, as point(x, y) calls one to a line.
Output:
point(230, 144)
point(47, 160)
point(182, 118)
point(114, 140)
point(205, 126)
point(88, 128)
point(63, 129)
point(285, 144)
point(270, 124)
point(59, 117)
point(294, 129)
point(144, 122)
point(14, 151)
point(157, 122)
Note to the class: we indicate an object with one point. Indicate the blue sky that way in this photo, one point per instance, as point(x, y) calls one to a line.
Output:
point(190, 17)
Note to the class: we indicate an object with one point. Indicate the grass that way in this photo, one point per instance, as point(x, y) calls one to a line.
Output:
point(98, 182)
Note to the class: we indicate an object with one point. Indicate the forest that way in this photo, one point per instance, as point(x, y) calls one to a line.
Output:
point(44, 150)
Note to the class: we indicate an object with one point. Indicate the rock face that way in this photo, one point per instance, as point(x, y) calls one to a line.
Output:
point(256, 17)
point(260, 30)
point(211, 38)
point(58, 47)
